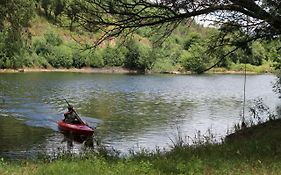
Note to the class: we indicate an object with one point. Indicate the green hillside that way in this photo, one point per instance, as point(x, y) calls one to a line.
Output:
point(52, 39)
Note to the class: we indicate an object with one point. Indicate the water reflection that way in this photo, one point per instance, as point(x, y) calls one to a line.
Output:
point(127, 110)
point(71, 139)
point(18, 139)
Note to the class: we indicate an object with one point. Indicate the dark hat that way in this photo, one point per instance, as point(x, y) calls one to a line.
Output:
point(70, 107)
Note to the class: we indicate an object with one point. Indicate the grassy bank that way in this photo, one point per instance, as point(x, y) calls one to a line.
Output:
point(236, 69)
point(255, 150)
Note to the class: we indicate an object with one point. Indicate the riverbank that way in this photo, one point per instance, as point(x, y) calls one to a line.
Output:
point(121, 70)
point(253, 150)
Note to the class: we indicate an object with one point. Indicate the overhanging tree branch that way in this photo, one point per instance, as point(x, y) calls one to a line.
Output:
point(121, 15)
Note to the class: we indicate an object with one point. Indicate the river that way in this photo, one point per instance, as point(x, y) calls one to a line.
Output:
point(128, 111)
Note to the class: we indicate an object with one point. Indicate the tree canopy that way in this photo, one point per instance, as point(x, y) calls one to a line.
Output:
point(15, 16)
point(260, 18)
point(240, 22)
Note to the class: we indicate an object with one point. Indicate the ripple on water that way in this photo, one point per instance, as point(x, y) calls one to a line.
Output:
point(128, 111)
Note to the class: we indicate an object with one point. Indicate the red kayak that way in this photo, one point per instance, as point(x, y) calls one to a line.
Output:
point(75, 128)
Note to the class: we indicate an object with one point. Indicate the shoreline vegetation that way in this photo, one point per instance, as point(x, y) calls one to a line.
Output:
point(53, 48)
point(251, 150)
point(81, 70)
point(121, 70)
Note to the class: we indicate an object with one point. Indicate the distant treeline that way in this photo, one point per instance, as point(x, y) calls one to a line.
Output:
point(186, 49)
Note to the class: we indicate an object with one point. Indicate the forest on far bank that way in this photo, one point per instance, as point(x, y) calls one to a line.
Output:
point(43, 34)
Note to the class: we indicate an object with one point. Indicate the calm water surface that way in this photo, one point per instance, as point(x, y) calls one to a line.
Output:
point(129, 111)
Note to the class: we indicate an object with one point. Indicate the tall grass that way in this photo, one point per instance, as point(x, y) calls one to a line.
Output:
point(234, 156)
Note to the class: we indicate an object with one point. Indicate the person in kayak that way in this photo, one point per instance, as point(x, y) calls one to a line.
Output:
point(70, 116)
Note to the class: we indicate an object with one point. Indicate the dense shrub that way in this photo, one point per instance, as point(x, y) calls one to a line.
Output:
point(79, 60)
point(146, 58)
point(95, 58)
point(163, 65)
point(192, 38)
point(195, 59)
point(113, 56)
point(61, 57)
point(4, 61)
point(40, 61)
point(53, 38)
point(132, 56)
point(139, 56)
point(41, 47)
